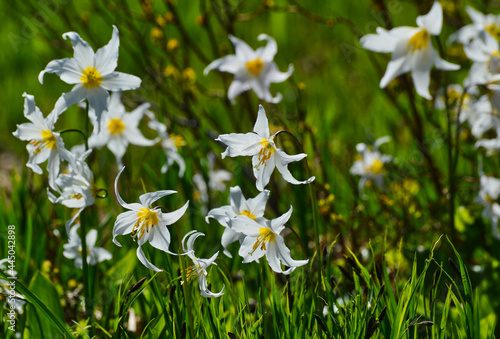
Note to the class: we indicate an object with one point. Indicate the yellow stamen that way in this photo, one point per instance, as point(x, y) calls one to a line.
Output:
point(177, 140)
point(91, 78)
point(265, 235)
point(192, 272)
point(376, 167)
point(489, 199)
point(76, 196)
point(419, 40)
point(248, 214)
point(255, 66)
point(493, 29)
point(116, 126)
point(265, 152)
point(146, 218)
point(48, 141)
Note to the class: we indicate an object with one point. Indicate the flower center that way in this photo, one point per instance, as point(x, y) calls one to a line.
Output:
point(248, 214)
point(48, 141)
point(91, 78)
point(265, 236)
point(193, 271)
point(255, 66)
point(265, 152)
point(376, 167)
point(76, 196)
point(489, 199)
point(146, 218)
point(493, 29)
point(116, 126)
point(177, 140)
point(419, 40)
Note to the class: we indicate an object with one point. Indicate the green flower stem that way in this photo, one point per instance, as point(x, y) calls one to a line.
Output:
point(84, 135)
point(89, 304)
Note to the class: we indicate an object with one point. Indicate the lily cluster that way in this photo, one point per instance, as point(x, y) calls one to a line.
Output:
point(476, 102)
point(98, 87)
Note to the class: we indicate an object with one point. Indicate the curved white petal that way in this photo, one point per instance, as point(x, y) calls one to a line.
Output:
point(421, 80)
point(239, 144)
point(172, 217)
point(242, 50)
point(77, 94)
point(261, 127)
point(145, 261)
point(118, 81)
point(237, 87)
point(83, 53)
point(269, 51)
point(148, 198)
point(106, 58)
point(230, 63)
point(432, 21)
point(67, 69)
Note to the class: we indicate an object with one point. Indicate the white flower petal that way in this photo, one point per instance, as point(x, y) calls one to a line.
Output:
point(269, 51)
point(432, 21)
point(237, 87)
point(160, 238)
point(421, 80)
point(118, 81)
point(240, 144)
point(262, 172)
point(106, 58)
point(124, 224)
point(77, 94)
point(261, 127)
point(83, 53)
point(221, 214)
point(172, 217)
point(67, 69)
point(148, 198)
point(98, 104)
point(230, 63)
point(273, 74)
point(145, 261)
point(90, 239)
point(278, 224)
point(242, 50)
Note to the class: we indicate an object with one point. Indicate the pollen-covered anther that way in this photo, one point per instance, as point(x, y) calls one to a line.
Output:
point(91, 78)
point(116, 126)
point(376, 167)
point(192, 272)
point(48, 141)
point(177, 140)
point(419, 40)
point(248, 214)
point(146, 219)
point(265, 152)
point(255, 66)
point(265, 235)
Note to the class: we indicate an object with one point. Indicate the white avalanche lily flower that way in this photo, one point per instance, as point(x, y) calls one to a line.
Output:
point(486, 63)
point(483, 27)
point(265, 239)
point(44, 143)
point(75, 187)
point(199, 268)
point(145, 223)
point(411, 50)
point(170, 143)
point(455, 93)
point(370, 165)
point(120, 128)
point(93, 75)
point(252, 208)
point(254, 70)
point(265, 155)
point(73, 249)
point(489, 193)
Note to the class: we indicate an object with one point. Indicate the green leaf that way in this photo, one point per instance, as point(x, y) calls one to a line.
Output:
point(45, 315)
